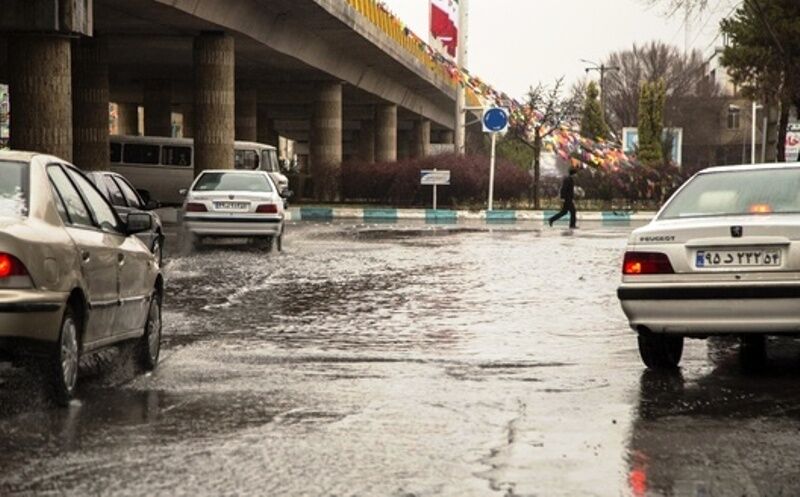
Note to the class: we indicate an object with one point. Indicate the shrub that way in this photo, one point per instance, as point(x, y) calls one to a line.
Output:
point(398, 183)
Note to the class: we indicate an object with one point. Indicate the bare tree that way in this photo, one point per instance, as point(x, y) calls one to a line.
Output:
point(675, 6)
point(545, 112)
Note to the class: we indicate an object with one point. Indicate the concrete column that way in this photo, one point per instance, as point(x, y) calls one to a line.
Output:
point(326, 141)
point(158, 108)
point(421, 139)
point(214, 101)
point(90, 103)
point(187, 114)
point(128, 119)
point(265, 127)
point(403, 144)
point(386, 133)
point(246, 112)
point(366, 142)
point(40, 92)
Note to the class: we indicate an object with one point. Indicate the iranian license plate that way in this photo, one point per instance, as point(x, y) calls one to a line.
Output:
point(231, 206)
point(738, 258)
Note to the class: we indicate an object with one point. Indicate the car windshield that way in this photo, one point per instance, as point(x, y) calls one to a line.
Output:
point(735, 193)
point(232, 182)
point(13, 189)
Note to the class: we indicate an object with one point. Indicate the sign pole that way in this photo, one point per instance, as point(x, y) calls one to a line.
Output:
point(491, 171)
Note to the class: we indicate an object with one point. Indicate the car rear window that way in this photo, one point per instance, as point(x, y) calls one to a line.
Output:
point(13, 189)
point(232, 182)
point(734, 193)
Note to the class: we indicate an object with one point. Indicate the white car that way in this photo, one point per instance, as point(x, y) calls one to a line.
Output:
point(722, 257)
point(234, 203)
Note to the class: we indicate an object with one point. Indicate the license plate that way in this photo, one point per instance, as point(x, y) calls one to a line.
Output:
point(738, 258)
point(231, 206)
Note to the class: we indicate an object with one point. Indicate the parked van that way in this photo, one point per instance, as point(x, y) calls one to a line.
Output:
point(161, 166)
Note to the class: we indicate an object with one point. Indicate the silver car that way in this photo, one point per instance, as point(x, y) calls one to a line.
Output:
point(722, 257)
point(234, 203)
point(74, 278)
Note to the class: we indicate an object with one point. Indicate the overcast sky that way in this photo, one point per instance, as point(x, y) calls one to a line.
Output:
point(516, 43)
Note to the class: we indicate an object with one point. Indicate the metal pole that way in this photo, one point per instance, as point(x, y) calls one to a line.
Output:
point(461, 62)
point(491, 172)
point(603, 90)
point(765, 123)
point(434, 194)
point(753, 134)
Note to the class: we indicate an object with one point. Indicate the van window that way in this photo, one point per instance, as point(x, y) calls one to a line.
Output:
point(176, 156)
point(135, 153)
point(245, 159)
point(116, 152)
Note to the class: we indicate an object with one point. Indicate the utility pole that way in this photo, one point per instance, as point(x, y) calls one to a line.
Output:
point(461, 96)
point(602, 69)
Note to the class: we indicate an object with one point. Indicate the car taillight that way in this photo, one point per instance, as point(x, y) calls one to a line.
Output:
point(636, 263)
point(267, 209)
point(13, 273)
point(195, 207)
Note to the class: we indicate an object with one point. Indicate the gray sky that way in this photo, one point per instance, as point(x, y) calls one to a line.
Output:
point(516, 43)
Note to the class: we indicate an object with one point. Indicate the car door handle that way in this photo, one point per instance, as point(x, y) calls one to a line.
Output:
point(121, 259)
point(86, 256)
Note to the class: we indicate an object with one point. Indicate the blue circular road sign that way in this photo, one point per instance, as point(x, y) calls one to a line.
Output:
point(495, 120)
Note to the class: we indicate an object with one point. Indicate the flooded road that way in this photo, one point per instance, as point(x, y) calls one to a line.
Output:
point(408, 361)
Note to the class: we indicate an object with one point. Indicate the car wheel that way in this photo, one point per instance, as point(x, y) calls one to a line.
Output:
point(753, 352)
point(150, 343)
point(63, 364)
point(280, 239)
point(659, 351)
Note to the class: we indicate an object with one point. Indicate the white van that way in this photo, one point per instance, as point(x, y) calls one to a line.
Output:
point(163, 166)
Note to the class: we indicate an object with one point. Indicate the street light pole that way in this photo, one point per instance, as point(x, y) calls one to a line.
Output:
point(602, 69)
point(461, 97)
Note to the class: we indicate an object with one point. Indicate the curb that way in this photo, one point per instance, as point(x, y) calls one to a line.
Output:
point(444, 216)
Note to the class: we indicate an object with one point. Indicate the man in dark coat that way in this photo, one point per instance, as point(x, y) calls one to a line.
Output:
point(568, 196)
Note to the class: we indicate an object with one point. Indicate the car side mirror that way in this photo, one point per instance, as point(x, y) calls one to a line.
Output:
point(139, 222)
point(151, 205)
point(183, 192)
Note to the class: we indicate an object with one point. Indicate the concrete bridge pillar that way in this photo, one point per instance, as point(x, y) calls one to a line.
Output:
point(265, 127)
point(421, 139)
point(90, 103)
point(128, 119)
point(214, 101)
point(246, 112)
point(386, 133)
point(158, 107)
point(325, 144)
point(366, 142)
point(40, 91)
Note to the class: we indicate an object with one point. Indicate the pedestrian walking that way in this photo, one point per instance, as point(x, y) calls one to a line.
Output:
point(568, 196)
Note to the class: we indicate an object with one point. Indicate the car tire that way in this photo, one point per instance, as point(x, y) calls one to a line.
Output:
point(280, 239)
point(660, 351)
point(62, 366)
point(753, 352)
point(149, 347)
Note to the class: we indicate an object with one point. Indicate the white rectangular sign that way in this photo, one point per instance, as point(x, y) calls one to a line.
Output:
point(434, 177)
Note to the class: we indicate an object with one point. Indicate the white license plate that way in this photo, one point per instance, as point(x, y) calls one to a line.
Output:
point(738, 258)
point(231, 206)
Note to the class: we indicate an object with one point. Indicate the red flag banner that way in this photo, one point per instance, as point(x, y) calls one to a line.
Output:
point(444, 24)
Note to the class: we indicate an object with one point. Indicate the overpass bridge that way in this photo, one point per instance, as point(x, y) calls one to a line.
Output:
point(340, 77)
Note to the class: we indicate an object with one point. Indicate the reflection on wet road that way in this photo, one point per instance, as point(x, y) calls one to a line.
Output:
point(407, 362)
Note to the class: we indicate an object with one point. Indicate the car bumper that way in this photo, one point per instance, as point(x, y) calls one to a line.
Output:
point(233, 226)
point(711, 309)
point(30, 315)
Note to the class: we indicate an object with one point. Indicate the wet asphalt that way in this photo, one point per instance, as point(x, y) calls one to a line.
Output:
point(407, 361)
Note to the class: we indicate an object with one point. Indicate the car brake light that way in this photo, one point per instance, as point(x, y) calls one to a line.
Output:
point(636, 263)
point(267, 209)
point(195, 207)
point(11, 266)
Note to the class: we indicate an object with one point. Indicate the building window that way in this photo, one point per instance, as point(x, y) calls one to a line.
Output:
point(734, 117)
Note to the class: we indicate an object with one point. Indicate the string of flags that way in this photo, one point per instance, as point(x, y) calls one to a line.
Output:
point(566, 142)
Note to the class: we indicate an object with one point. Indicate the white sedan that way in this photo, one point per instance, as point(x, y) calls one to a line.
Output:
point(234, 203)
point(722, 257)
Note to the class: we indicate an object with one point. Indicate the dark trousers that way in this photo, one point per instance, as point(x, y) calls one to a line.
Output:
point(569, 207)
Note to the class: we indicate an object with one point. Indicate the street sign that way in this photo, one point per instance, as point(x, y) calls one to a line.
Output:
point(432, 177)
point(495, 120)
